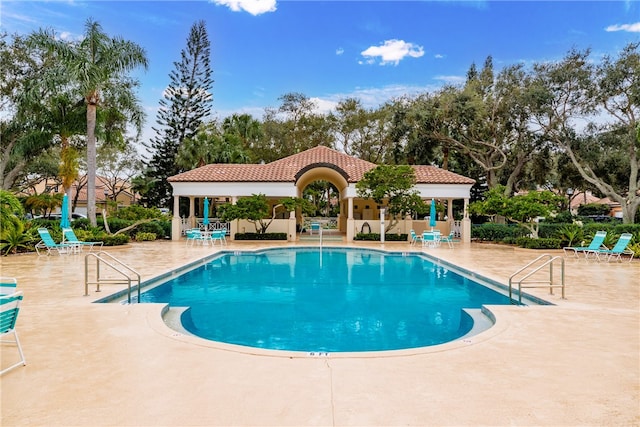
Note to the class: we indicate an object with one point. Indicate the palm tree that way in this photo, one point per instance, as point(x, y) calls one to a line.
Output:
point(97, 65)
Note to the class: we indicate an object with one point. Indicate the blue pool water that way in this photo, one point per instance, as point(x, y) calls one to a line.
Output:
point(326, 300)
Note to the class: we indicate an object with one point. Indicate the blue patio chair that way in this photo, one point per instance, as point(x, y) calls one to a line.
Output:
point(414, 237)
point(8, 285)
point(50, 245)
point(596, 243)
point(218, 236)
point(449, 240)
point(618, 250)
point(69, 237)
point(315, 226)
point(431, 238)
point(9, 309)
point(194, 235)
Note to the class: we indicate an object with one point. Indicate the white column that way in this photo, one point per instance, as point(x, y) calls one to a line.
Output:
point(381, 225)
point(351, 223)
point(176, 221)
point(466, 224)
point(292, 226)
point(192, 217)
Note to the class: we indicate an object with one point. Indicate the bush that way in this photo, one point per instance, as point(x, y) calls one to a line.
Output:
point(529, 243)
point(136, 212)
point(376, 237)
point(117, 224)
point(150, 227)
point(115, 239)
point(263, 236)
point(594, 209)
point(497, 232)
point(145, 237)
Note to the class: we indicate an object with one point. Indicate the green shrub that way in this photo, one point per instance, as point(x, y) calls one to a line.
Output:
point(145, 237)
point(115, 239)
point(136, 212)
point(529, 243)
point(595, 209)
point(117, 224)
point(263, 236)
point(150, 227)
point(569, 234)
point(496, 232)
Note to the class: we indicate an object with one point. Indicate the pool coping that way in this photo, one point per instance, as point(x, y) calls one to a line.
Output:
point(484, 319)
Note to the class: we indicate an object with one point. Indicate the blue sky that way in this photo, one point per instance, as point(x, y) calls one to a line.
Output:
point(330, 50)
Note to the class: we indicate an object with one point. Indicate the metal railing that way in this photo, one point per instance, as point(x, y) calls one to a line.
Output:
point(116, 265)
point(543, 261)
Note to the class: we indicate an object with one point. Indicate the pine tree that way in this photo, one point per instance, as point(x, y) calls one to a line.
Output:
point(186, 103)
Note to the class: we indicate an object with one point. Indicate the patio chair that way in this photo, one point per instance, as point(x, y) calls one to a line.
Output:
point(50, 245)
point(431, 238)
point(449, 240)
point(315, 226)
point(9, 309)
point(596, 243)
point(8, 285)
point(218, 236)
point(69, 237)
point(194, 235)
point(414, 237)
point(618, 250)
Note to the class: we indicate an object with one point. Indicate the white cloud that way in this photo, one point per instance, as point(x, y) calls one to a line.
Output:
point(392, 52)
point(438, 56)
point(632, 28)
point(339, 51)
point(254, 7)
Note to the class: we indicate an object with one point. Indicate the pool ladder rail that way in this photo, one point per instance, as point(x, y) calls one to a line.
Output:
point(128, 274)
point(545, 260)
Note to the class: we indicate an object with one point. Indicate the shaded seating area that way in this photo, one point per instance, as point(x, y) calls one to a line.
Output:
point(47, 243)
point(9, 309)
point(617, 251)
point(596, 243)
point(69, 238)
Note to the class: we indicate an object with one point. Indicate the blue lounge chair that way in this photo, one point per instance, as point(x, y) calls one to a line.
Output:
point(8, 285)
point(9, 309)
point(618, 250)
point(50, 245)
point(69, 237)
point(596, 243)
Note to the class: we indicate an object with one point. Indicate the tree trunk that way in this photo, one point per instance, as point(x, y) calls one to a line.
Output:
point(91, 163)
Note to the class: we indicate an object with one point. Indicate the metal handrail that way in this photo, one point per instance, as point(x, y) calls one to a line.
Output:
point(114, 266)
point(539, 284)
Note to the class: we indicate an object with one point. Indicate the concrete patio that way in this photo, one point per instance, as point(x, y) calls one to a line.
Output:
point(573, 363)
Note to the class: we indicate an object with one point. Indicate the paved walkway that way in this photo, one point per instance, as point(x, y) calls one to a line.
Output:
point(574, 363)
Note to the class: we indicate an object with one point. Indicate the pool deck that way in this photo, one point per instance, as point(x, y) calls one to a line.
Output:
point(575, 363)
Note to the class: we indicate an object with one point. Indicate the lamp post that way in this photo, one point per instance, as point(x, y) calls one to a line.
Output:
point(570, 192)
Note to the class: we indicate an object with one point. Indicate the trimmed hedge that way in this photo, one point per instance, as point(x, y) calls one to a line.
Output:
point(145, 237)
point(497, 232)
point(376, 237)
point(263, 236)
point(529, 243)
point(115, 239)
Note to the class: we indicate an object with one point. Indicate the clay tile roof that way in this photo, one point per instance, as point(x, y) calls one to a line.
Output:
point(286, 169)
point(435, 175)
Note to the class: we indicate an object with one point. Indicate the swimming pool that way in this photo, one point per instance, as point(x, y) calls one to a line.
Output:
point(324, 300)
